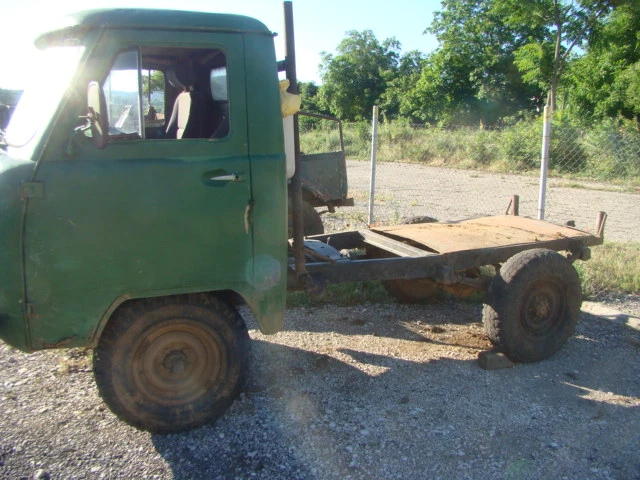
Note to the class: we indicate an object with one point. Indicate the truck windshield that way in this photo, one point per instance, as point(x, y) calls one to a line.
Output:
point(55, 68)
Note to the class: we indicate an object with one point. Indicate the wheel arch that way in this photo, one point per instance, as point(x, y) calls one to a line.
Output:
point(231, 297)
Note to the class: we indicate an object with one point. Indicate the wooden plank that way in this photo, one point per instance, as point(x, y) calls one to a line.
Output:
point(391, 245)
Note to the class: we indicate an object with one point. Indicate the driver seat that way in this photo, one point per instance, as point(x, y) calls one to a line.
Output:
point(189, 115)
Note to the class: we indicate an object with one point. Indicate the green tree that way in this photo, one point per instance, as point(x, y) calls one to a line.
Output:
point(354, 79)
point(393, 102)
point(566, 24)
point(472, 78)
point(605, 82)
point(152, 81)
point(310, 99)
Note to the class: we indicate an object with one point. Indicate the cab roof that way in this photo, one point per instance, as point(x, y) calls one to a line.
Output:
point(156, 19)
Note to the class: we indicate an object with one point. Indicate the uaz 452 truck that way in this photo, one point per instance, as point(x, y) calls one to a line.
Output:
point(137, 232)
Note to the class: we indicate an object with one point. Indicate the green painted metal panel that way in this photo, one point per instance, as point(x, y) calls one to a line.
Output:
point(268, 164)
point(12, 174)
point(143, 217)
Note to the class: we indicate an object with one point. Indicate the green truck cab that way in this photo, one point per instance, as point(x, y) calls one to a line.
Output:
point(111, 210)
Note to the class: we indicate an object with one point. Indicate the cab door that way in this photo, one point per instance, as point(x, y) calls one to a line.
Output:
point(147, 215)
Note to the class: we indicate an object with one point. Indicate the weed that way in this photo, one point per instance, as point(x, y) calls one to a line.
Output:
point(613, 268)
point(343, 294)
point(75, 360)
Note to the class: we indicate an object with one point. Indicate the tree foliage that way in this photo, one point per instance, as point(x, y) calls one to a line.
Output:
point(472, 78)
point(152, 81)
point(605, 82)
point(497, 61)
point(356, 77)
point(565, 24)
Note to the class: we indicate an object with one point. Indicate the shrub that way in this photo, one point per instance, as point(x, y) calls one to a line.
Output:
point(613, 151)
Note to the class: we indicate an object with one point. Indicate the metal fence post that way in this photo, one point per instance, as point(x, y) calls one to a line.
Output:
point(374, 148)
point(544, 163)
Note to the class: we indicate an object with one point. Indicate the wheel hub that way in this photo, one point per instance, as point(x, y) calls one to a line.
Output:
point(176, 362)
point(542, 309)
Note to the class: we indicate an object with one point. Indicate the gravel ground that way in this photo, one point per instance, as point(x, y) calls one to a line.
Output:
point(370, 391)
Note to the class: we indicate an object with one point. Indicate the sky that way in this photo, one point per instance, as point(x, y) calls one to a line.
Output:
point(320, 25)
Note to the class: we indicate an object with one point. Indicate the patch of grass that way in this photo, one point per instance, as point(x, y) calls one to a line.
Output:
point(613, 268)
point(343, 294)
point(572, 185)
point(606, 152)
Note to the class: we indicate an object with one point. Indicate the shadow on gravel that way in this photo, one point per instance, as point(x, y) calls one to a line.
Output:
point(296, 403)
point(354, 412)
point(392, 320)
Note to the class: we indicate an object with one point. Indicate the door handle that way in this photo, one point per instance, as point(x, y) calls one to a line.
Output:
point(232, 177)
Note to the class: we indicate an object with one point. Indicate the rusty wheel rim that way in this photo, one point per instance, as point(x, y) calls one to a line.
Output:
point(177, 363)
point(542, 308)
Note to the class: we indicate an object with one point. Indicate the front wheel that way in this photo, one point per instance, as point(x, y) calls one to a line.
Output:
point(171, 364)
point(533, 305)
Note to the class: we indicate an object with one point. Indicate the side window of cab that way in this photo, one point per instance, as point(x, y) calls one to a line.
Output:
point(167, 93)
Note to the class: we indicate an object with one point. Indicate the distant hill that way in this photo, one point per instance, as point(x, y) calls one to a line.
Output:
point(9, 97)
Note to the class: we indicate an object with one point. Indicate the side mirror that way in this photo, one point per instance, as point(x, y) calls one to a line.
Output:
point(97, 118)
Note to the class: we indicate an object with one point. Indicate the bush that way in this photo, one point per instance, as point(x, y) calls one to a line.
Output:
point(613, 151)
point(520, 146)
point(605, 152)
point(567, 153)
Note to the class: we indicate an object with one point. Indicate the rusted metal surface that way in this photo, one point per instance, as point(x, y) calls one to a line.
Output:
point(458, 246)
point(441, 251)
point(514, 206)
point(324, 175)
point(600, 222)
point(296, 182)
point(486, 232)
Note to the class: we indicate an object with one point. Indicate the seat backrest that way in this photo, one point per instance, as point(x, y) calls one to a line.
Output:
point(189, 114)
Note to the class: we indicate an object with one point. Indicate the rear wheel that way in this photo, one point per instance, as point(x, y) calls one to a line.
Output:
point(171, 364)
point(311, 220)
point(533, 305)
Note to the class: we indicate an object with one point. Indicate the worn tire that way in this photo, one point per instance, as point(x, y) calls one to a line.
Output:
point(311, 220)
point(171, 364)
point(533, 305)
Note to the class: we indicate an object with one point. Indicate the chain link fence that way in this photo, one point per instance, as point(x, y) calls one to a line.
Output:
point(456, 174)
